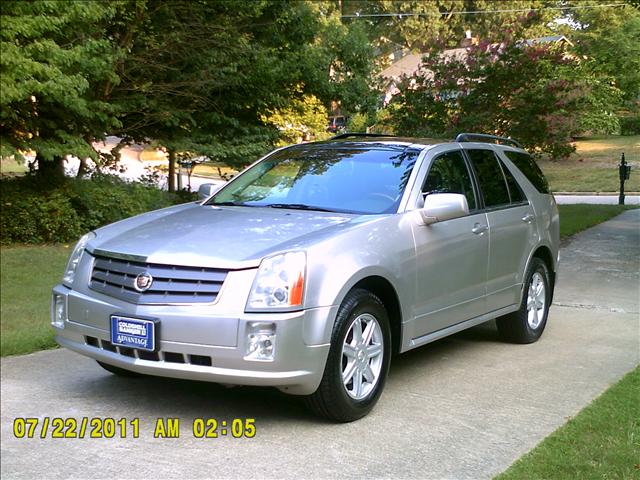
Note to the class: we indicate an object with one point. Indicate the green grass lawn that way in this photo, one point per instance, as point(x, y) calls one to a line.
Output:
point(593, 168)
point(214, 170)
point(601, 442)
point(27, 275)
point(8, 166)
point(575, 218)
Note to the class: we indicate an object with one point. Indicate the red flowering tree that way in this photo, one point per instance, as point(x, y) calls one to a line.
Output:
point(539, 94)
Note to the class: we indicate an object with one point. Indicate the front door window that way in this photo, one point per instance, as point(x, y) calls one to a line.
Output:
point(449, 174)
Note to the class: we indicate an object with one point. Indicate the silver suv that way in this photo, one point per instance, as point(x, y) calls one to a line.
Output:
point(314, 266)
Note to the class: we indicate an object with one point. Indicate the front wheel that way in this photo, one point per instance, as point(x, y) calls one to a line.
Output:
point(526, 324)
point(358, 360)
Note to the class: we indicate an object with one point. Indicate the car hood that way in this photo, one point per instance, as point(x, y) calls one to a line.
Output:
point(224, 237)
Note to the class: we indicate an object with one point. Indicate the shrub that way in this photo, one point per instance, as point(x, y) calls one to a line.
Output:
point(38, 219)
point(630, 125)
point(35, 212)
point(358, 122)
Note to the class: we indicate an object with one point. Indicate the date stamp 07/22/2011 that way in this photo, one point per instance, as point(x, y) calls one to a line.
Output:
point(107, 427)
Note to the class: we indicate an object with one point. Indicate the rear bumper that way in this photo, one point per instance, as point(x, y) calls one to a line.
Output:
point(297, 367)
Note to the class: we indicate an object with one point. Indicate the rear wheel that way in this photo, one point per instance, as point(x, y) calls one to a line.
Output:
point(358, 360)
point(118, 371)
point(527, 323)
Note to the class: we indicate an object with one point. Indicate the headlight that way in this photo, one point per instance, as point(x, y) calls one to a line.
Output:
point(74, 259)
point(279, 283)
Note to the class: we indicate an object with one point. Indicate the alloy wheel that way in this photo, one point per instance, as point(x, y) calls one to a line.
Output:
point(536, 300)
point(362, 356)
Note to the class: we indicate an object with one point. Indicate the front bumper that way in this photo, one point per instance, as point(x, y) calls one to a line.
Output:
point(200, 342)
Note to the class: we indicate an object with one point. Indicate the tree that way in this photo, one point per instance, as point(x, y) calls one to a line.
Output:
point(341, 63)
point(439, 23)
point(538, 94)
point(191, 80)
point(611, 38)
point(305, 118)
point(197, 77)
point(56, 57)
point(202, 77)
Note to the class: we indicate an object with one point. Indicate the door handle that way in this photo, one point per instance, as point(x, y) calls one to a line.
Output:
point(479, 229)
point(528, 218)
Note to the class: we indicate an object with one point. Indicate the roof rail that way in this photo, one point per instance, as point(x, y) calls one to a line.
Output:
point(359, 134)
point(481, 137)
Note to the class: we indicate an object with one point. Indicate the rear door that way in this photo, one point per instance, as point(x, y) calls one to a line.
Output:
point(512, 227)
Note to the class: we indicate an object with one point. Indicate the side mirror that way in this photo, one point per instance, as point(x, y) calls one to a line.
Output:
point(443, 206)
point(207, 189)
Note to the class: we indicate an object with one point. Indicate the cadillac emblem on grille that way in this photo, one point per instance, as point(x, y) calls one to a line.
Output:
point(143, 282)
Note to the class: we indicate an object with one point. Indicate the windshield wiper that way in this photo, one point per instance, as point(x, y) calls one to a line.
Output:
point(231, 204)
point(297, 206)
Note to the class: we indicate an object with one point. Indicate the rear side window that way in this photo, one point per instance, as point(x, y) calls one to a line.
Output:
point(490, 177)
point(530, 169)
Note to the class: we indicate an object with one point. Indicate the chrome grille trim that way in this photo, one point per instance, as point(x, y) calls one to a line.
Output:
point(172, 284)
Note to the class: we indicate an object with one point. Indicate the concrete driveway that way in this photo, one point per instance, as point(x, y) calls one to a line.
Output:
point(464, 407)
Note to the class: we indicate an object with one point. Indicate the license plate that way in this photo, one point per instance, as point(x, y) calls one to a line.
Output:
point(133, 332)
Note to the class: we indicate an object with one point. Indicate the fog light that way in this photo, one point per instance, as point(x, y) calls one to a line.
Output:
point(59, 311)
point(261, 341)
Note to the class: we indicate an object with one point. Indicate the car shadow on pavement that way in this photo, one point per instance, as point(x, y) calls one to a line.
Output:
point(422, 358)
point(166, 397)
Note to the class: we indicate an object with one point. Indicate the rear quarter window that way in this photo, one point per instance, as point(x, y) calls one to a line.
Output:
point(530, 169)
point(515, 192)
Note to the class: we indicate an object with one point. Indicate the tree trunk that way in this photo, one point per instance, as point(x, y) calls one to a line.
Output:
point(82, 168)
point(172, 170)
point(52, 170)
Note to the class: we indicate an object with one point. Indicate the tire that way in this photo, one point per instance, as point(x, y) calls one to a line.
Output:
point(368, 367)
point(121, 372)
point(526, 324)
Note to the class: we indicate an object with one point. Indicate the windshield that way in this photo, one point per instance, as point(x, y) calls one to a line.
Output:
point(350, 180)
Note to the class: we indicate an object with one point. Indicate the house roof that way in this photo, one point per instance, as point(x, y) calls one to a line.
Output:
point(410, 64)
point(549, 39)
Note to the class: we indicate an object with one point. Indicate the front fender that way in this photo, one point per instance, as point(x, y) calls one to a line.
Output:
point(319, 332)
point(382, 248)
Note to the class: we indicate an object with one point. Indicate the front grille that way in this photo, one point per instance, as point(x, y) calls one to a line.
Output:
point(170, 357)
point(171, 284)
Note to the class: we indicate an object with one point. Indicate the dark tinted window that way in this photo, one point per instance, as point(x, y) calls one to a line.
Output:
point(354, 180)
point(449, 174)
point(530, 169)
point(494, 189)
point(517, 196)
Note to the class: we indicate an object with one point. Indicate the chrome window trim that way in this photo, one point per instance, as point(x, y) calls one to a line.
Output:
point(420, 170)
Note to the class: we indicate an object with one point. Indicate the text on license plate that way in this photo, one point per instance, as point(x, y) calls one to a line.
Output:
point(133, 332)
